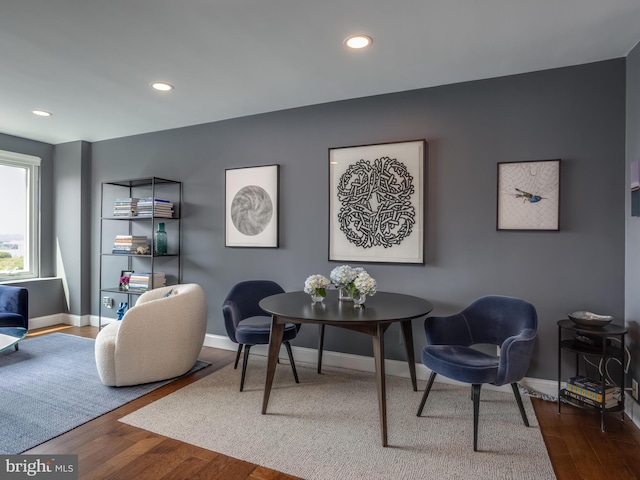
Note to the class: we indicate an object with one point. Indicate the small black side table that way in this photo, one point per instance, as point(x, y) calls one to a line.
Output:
point(605, 350)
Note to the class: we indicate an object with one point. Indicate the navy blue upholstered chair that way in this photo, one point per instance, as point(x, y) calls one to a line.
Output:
point(14, 307)
point(247, 324)
point(508, 322)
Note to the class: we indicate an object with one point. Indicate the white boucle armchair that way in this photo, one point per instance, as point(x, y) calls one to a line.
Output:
point(159, 338)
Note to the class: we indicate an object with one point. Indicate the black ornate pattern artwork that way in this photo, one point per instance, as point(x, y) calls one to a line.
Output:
point(375, 200)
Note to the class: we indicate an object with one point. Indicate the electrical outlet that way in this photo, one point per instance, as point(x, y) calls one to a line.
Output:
point(634, 389)
point(107, 302)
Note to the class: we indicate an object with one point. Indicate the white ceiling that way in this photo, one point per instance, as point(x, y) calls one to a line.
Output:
point(90, 62)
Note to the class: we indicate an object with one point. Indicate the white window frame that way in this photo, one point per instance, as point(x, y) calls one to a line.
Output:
point(32, 165)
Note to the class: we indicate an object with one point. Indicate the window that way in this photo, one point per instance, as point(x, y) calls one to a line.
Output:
point(19, 216)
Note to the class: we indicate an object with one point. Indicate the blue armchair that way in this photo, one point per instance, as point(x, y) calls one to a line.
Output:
point(508, 322)
point(247, 324)
point(14, 307)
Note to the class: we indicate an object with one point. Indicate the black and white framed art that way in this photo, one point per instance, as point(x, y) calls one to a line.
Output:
point(376, 203)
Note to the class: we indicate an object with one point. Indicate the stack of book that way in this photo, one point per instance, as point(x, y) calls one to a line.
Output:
point(155, 207)
point(147, 281)
point(128, 244)
point(590, 392)
point(125, 207)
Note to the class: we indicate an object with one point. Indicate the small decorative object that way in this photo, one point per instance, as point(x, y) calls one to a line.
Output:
point(588, 319)
point(160, 240)
point(316, 286)
point(122, 308)
point(142, 251)
point(354, 284)
point(125, 278)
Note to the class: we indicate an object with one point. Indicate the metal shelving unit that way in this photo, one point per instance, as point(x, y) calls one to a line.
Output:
point(111, 263)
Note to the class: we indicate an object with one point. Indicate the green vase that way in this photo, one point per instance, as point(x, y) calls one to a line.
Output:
point(160, 242)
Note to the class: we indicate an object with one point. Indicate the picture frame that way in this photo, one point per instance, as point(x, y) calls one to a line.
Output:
point(377, 202)
point(124, 285)
point(528, 195)
point(252, 206)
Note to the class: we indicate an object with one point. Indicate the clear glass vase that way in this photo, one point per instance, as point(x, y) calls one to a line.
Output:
point(344, 295)
point(359, 299)
point(316, 298)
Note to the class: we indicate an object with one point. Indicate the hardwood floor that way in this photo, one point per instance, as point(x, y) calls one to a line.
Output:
point(108, 449)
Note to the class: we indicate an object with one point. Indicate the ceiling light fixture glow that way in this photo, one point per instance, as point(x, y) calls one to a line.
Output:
point(41, 113)
point(162, 86)
point(358, 42)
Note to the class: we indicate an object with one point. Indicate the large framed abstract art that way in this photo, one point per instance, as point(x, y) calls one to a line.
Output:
point(529, 195)
point(376, 203)
point(251, 206)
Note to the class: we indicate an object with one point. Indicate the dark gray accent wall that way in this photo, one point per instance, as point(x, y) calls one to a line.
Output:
point(632, 263)
point(576, 114)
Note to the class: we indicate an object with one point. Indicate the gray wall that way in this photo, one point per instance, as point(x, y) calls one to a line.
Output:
point(72, 226)
point(576, 114)
point(632, 264)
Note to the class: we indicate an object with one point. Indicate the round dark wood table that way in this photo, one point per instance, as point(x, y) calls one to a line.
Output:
point(374, 318)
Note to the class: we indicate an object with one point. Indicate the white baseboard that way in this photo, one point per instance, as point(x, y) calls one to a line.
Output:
point(395, 368)
point(332, 359)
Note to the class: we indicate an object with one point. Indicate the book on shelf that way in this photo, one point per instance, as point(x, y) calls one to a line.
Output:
point(598, 397)
point(128, 244)
point(125, 207)
point(156, 207)
point(147, 281)
point(589, 401)
point(590, 383)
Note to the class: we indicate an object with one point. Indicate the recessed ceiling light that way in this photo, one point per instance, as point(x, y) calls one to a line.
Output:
point(358, 41)
point(41, 113)
point(162, 86)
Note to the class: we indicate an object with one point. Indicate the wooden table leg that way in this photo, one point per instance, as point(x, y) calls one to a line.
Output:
point(378, 354)
point(320, 346)
point(407, 333)
point(275, 341)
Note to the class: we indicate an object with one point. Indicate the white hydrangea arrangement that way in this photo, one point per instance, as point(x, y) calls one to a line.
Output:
point(317, 284)
point(353, 280)
point(366, 284)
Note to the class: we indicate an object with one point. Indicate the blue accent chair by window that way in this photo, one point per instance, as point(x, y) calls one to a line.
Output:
point(14, 307)
point(247, 324)
point(508, 322)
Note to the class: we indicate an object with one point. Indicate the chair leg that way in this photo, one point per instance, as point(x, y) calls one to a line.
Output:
point(432, 377)
point(16, 345)
point(476, 412)
point(320, 346)
point(235, 365)
point(516, 392)
point(244, 365)
point(293, 364)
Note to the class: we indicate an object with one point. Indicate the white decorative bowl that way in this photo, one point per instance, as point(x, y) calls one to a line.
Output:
point(588, 319)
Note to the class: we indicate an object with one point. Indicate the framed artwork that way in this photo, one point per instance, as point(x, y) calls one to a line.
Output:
point(125, 277)
point(251, 206)
point(376, 203)
point(529, 195)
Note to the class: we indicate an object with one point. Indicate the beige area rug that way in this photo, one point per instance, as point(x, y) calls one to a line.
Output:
point(327, 427)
